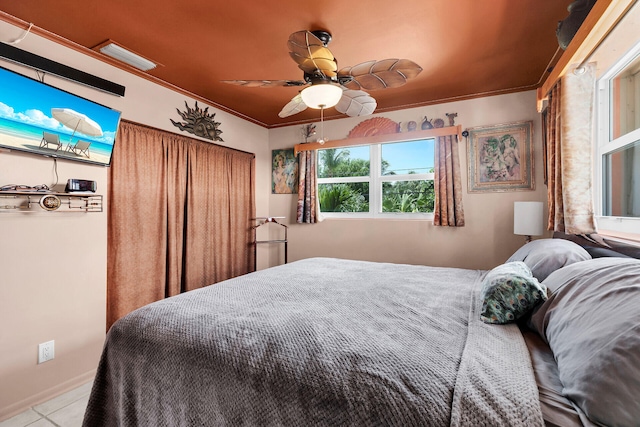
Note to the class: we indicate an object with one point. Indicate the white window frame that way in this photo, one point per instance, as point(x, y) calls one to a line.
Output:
point(375, 180)
point(605, 145)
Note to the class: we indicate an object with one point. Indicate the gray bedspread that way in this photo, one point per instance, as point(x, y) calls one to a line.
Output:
point(318, 342)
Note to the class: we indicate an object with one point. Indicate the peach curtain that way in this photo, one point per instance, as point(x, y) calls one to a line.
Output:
point(447, 183)
point(308, 209)
point(569, 133)
point(179, 216)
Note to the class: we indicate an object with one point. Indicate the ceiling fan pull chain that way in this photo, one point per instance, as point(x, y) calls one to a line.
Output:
point(321, 141)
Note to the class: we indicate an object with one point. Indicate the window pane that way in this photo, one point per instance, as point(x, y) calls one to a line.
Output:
point(343, 162)
point(407, 196)
point(622, 182)
point(625, 100)
point(408, 157)
point(346, 197)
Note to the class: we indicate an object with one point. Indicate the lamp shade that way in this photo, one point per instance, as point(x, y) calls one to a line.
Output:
point(322, 95)
point(528, 218)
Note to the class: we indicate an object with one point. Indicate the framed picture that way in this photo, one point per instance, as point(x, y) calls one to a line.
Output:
point(284, 176)
point(500, 157)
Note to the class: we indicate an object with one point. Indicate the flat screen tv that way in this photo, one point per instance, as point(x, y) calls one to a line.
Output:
point(41, 119)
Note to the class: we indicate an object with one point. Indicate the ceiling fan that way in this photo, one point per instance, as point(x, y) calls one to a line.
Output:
point(327, 86)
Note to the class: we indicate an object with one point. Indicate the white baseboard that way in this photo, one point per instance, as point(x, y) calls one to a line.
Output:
point(43, 396)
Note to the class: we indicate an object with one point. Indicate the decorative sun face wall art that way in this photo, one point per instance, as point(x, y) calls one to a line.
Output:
point(199, 122)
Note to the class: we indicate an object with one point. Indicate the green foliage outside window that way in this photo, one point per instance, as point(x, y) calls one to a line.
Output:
point(397, 196)
point(334, 162)
point(408, 196)
point(348, 197)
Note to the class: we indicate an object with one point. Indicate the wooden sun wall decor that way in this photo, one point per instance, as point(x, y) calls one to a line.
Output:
point(199, 122)
point(374, 126)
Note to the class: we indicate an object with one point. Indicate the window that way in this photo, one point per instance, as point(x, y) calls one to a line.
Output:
point(618, 151)
point(381, 180)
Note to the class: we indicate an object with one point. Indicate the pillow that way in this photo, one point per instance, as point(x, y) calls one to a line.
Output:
point(596, 252)
point(544, 256)
point(591, 321)
point(508, 292)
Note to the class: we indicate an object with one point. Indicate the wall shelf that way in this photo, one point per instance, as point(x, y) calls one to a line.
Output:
point(602, 18)
point(38, 201)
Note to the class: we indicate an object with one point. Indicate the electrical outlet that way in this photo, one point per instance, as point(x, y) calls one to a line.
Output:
point(46, 351)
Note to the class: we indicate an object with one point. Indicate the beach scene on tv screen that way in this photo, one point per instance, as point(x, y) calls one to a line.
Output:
point(38, 118)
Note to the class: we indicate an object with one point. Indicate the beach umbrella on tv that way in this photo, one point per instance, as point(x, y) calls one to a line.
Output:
point(78, 122)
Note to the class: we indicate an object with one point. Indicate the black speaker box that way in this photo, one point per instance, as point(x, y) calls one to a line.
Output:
point(29, 59)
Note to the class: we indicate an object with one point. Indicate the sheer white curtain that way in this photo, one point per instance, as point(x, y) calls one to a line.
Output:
point(569, 136)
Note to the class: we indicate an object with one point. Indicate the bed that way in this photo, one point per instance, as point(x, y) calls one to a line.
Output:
point(337, 342)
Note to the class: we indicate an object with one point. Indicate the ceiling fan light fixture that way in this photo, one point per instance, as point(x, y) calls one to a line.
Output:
point(321, 95)
point(121, 54)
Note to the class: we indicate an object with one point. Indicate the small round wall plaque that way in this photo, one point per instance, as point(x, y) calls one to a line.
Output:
point(50, 202)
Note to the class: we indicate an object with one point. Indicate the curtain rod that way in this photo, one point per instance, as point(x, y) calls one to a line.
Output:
point(185, 136)
point(381, 139)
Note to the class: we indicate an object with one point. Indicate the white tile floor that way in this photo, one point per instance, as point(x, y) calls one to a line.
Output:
point(66, 410)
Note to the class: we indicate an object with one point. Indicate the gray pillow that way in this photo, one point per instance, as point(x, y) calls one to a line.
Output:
point(544, 256)
point(604, 252)
point(508, 292)
point(591, 321)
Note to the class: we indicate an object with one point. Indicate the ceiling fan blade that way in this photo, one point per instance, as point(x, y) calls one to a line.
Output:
point(356, 103)
point(326, 66)
point(294, 106)
point(363, 78)
point(304, 38)
point(407, 68)
point(265, 83)
point(312, 51)
point(311, 54)
point(373, 75)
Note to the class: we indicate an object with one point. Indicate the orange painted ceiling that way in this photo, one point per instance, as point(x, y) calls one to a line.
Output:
point(467, 48)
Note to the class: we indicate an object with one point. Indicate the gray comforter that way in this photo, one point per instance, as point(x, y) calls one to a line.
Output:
point(318, 342)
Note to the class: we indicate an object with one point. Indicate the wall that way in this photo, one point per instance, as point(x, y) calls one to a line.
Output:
point(53, 265)
point(485, 241)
